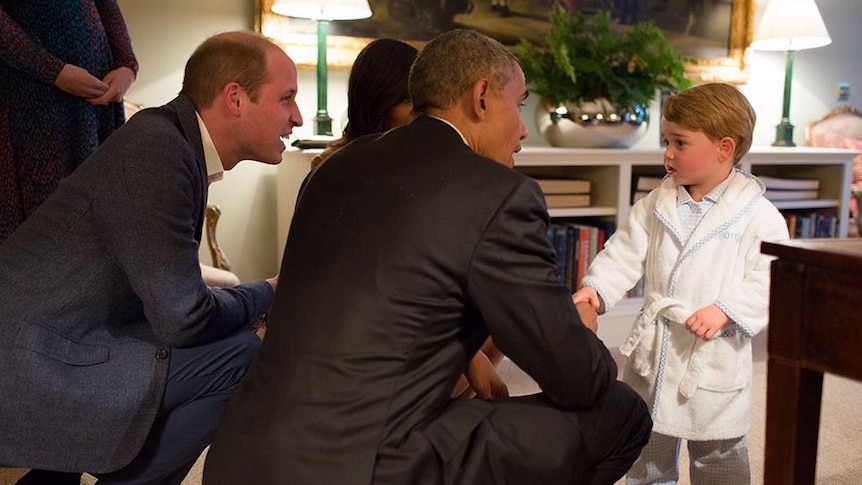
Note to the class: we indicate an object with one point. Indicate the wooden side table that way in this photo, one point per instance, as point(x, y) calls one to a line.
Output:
point(815, 326)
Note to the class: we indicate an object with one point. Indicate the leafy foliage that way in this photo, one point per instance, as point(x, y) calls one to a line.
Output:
point(587, 59)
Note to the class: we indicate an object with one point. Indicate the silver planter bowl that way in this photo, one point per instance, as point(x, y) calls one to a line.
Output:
point(593, 124)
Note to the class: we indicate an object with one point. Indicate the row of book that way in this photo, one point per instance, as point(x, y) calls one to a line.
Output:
point(576, 245)
point(777, 189)
point(811, 224)
point(577, 242)
point(800, 224)
point(576, 192)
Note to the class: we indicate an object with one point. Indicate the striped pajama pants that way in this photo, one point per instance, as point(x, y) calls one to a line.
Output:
point(717, 462)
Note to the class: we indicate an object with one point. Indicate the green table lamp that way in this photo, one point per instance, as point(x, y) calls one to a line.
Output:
point(790, 26)
point(323, 11)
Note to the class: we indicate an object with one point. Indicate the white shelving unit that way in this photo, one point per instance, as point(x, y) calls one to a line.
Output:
point(611, 172)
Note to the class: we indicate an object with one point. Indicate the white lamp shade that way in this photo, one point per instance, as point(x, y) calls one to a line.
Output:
point(790, 25)
point(323, 9)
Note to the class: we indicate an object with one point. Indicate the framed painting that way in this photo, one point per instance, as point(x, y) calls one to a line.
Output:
point(715, 34)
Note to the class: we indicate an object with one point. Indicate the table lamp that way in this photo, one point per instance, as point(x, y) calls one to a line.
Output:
point(790, 26)
point(323, 11)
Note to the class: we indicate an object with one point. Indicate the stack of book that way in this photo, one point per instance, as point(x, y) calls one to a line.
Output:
point(643, 185)
point(780, 189)
point(565, 192)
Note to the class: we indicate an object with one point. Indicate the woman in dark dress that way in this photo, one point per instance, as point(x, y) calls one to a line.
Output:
point(65, 66)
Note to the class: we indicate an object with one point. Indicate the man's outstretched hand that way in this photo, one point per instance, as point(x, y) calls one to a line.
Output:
point(588, 315)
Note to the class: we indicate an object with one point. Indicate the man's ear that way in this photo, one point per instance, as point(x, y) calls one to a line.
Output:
point(232, 96)
point(478, 94)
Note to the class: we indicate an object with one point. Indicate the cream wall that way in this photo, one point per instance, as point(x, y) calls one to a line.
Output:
point(164, 33)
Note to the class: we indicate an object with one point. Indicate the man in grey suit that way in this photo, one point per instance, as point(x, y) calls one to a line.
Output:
point(117, 359)
point(406, 251)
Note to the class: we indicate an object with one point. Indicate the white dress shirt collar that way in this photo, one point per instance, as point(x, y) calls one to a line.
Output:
point(215, 168)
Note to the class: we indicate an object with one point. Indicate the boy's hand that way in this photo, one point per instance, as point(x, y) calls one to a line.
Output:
point(589, 317)
point(587, 294)
point(706, 322)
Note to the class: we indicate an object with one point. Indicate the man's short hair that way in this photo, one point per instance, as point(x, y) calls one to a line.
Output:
point(224, 58)
point(452, 62)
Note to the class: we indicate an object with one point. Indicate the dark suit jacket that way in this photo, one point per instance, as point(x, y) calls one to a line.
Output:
point(404, 253)
point(98, 284)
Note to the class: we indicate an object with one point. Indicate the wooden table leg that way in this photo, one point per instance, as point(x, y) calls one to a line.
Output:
point(793, 399)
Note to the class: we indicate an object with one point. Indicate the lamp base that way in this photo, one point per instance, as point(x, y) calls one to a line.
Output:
point(322, 124)
point(784, 135)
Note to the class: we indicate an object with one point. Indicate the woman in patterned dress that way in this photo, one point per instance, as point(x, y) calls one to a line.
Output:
point(65, 66)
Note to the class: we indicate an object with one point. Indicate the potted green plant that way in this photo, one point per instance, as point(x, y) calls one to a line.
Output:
point(591, 74)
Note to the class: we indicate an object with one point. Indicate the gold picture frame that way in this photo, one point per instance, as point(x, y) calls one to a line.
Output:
point(299, 39)
point(731, 68)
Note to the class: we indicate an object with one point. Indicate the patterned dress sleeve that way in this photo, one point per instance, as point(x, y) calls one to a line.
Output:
point(23, 54)
point(118, 34)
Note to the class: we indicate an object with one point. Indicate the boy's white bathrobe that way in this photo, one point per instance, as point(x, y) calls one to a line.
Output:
point(697, 390)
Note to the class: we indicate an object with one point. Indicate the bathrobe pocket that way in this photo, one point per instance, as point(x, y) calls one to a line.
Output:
point(643, 358)
point(728, 367)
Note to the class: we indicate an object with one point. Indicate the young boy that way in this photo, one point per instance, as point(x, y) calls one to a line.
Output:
point(696, 240)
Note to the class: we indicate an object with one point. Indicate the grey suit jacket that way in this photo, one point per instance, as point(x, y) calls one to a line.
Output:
point(404, 253)
point(98, 284)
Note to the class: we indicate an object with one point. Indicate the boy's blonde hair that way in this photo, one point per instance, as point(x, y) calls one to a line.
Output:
point(716, 109)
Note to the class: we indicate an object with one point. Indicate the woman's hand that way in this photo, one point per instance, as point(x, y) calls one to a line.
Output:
point(80, 83)
point(119, 81)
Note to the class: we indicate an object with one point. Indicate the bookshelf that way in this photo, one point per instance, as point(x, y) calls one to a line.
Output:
point(611, 173)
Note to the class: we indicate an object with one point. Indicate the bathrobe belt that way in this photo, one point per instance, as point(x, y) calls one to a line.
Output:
point(675, 312)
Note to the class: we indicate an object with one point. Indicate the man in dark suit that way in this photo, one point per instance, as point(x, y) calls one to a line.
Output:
point(117, 359)
point(405, 252)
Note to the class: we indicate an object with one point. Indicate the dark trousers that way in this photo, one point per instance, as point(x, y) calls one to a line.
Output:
point(523, 440)
point(200, 381)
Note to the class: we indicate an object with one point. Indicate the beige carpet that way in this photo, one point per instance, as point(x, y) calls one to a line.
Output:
point(839, 448)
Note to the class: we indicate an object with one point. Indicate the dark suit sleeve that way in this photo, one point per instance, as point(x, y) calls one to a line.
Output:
point(528, 312)
point(148, 215)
